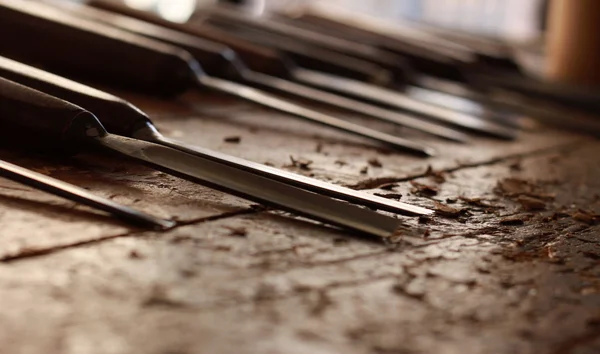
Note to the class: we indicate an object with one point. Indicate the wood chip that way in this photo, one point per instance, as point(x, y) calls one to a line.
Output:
point(301, 163)
point(340, 162)
point(388, 186)
point(584, 217)
point(514, 220)
point(396, 196)
point(437, 176)
point(237, 231)
point(475, 201)
point(319, 148)
point(364, 170)
point(514, 186)
point(424, 189)
point(446, 210)
point(375, 162)
point(235, 139)
point(530, 203)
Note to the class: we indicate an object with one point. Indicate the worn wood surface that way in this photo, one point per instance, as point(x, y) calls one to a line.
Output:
point(489, 277)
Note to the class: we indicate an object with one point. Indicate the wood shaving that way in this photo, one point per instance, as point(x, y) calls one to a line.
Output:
point(364, 170)
point(514, 220)
point(530, 203)
point(585, 217)
point(446, 210)
point(437, 176)
point(301, 163)
point(420, 188)
point(375, 162)
point(232, 139)
point(388, 186)
point(396, 196)
point(237, 231)
point(475, 201)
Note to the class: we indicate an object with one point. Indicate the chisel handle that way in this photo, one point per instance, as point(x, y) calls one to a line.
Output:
point(31, 119)
point(117, 115)
point(258, 58)
point(216, 59)
point(47, 37)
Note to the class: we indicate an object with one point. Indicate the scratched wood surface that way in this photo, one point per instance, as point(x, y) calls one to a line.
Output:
point(498, 273)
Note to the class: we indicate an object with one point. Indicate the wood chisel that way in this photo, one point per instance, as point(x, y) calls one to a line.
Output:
point(33, 117)
point(302, 31)
point(45, 36)
point(226, 64)
point(378, 95)
point(66, 190)
point(493, 64)
point(123, 118)
point(257, 54)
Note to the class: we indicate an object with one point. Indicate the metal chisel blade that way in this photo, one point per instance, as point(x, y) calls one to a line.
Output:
point(253, 187)
point(281, 105)
point(397, 100)
point(355, 106)
point(80, 195)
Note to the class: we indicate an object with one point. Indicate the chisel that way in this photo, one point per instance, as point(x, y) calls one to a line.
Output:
point(68, 191)
point(45, 36)
point(228, 65)
point(375, 94)
point(33, 117)
point(272, 64)
point(123, 118)
point(493, 64)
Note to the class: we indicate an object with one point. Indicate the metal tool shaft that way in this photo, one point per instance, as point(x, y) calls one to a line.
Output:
point(80, 195)
point(253, 187)
point(394, 99)
point(281, 105)
point(150, 134)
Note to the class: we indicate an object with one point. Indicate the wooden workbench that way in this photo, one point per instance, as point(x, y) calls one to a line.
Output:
point(235, 278)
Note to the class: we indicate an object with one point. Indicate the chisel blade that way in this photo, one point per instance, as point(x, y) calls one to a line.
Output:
point(397, 100)
point(281, 105)
point(253, 187)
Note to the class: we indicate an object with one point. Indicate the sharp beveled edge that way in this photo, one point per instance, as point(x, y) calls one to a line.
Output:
point(80, 195)
point(355, 106)
point(281, 105)
point(391, 98)
point(253, 187)
point(300, 181)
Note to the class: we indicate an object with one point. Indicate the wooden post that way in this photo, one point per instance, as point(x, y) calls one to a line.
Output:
point(573, 42)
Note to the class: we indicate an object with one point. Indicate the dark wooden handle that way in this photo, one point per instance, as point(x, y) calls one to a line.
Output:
point(117, 115)
point(34, 120)
point(256, 57)
point(47, 37)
